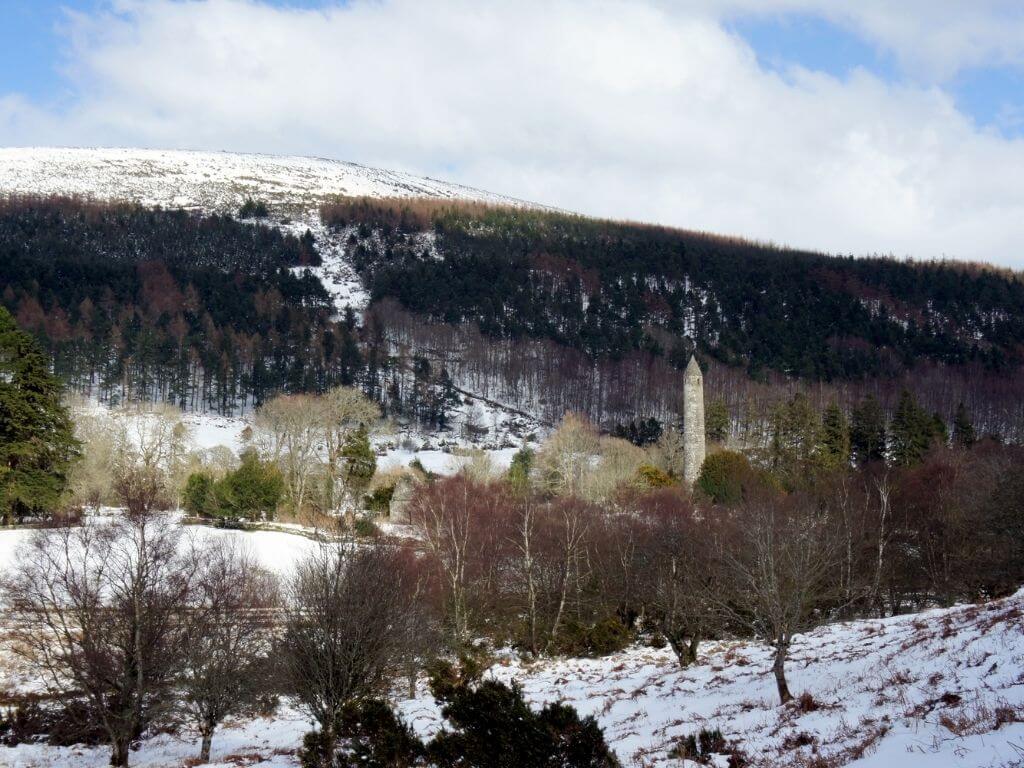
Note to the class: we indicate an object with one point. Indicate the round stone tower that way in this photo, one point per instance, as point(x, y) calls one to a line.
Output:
point(693, 422)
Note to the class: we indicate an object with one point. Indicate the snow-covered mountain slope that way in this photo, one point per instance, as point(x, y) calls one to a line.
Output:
point(212, 181)
point(940, 689)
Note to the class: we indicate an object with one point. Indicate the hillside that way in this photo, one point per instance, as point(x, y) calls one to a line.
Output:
point(536, 311)
point(940, 689)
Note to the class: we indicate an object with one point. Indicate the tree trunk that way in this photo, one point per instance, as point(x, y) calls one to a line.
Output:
point(779, 668)
point(410, 671)
point(119, 752)
point(204, 750)
point(691, 651)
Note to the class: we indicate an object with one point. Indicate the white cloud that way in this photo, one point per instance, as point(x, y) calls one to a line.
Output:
point(630, 108)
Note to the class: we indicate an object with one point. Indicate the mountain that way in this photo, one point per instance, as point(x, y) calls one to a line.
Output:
point(210, 181)
point(423, 293)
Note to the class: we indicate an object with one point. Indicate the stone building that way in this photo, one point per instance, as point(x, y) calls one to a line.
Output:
point(694, 448)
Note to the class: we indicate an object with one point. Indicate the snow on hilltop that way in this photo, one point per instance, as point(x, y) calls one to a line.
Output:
point(211, 181)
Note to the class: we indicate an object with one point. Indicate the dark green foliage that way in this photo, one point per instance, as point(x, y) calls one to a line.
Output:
point(963, 427)
point(379, 502)
point(369, 736)
point(599, 639)
point(37, 442)
point(366, 528)
point(716, 421)
point(867, 431)
point(254, 489)
point(726, 476)
point(491, 726)
point(251, 491)
point(519, 469)
point(253, 209)
point(914, 431)
point(639, 432)
point(599, 286)
point(199, 497)
point(152, 300)
point(360, 461)
point(835, 438)
point(700, 748)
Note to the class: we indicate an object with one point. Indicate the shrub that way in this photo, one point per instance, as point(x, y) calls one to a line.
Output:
point(700, 748)
point(599, 639)
point(60, 725)
point(379, 501)
point(654, 477)
point(371, 736)
point(365, 527)
point(253, 209)
point(491, 726)
point(727, 477)
point(199, 499)
point(255, 487)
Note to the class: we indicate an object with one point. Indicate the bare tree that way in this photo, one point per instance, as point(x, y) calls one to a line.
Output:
point(97, 610)
point(352, 620)
point(779, 564)
point(675, 570)
point(229, 635)
point(290, 431)
point(567, 455)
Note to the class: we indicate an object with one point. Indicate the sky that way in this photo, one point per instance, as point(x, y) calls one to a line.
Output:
point(851, 127)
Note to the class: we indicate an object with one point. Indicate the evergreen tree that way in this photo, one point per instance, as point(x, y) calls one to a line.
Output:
point(716, 421)
point(835, 438)
point(963, 427)
point(519, 470)
point(37, 442)
point(255, 488)
point(796, 430)
point(867, 431)
point(913, 431)
point(360, 462)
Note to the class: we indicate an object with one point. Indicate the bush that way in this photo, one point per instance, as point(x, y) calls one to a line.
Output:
point(728, 478)
point(379, 501)
point(654, 477)
point(60, 725)
point(600, 639)
point(253, 209)
point(199, 499)
point(255, 488)
point(366, 528)
point(371, 736)
point(700, 748)
point(491, 726)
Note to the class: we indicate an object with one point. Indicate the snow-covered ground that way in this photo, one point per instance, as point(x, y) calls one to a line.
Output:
point(211, 181)
point(941, 689)
point(277, 550)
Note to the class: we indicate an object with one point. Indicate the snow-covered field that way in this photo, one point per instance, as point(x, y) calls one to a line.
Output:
point(277, 550)
point(941, 689)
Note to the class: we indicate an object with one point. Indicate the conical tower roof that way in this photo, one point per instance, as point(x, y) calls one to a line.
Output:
point(692, 368)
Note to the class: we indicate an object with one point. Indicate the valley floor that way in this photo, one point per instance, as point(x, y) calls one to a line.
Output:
point(937, 689)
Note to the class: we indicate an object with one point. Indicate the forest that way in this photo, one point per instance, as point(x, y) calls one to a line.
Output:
point(136, 304)
point(611, 288)
point(540, 311)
